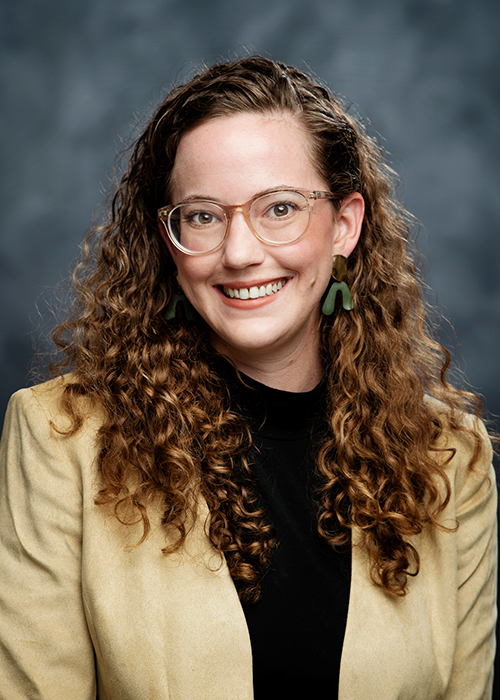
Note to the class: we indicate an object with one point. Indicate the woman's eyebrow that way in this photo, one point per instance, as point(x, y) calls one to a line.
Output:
point(209, 198)
point(196, 197)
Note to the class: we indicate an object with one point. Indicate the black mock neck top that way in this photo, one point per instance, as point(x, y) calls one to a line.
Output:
point(297, 627)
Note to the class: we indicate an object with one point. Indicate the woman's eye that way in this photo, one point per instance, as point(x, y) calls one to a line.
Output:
point(202, 218)
point(281, 210)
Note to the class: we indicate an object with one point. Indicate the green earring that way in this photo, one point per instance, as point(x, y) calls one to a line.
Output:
point(339, 271)
point(180, 299)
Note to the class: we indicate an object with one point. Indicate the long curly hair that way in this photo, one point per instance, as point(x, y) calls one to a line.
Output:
point(170, 432)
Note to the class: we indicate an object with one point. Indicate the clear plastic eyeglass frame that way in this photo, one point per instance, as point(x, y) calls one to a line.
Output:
point(310, 197)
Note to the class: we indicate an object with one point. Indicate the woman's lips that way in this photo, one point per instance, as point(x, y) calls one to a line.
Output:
point(254, 291)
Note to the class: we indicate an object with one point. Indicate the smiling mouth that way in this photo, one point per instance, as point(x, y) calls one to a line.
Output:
point(265, 290)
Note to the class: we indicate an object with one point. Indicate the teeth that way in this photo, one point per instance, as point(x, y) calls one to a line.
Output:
point(254, 292)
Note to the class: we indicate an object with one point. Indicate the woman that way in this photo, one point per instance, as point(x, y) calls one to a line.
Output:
point(256, 480)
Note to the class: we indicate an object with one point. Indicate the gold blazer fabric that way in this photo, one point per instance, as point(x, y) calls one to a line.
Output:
point(85, 614)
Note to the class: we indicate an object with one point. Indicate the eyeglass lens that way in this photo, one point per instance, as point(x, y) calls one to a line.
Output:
point(278, 217)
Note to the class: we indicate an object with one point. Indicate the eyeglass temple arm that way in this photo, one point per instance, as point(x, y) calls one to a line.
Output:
point(321, 195)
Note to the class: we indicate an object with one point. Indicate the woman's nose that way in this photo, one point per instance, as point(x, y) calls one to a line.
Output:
point(242, 247)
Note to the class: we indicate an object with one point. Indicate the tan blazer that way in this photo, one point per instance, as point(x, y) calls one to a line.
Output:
point(81, 613)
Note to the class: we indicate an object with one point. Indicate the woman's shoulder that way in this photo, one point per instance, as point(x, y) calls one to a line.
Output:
point(40, 454)
point(45, 396)
point(463, 448)
point(43, 409)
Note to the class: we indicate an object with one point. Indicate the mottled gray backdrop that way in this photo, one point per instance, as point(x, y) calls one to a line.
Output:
point(74, 77)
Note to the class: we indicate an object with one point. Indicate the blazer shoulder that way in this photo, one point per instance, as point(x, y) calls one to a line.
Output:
point(48, 400)
point(464, 444)
point(37, 415)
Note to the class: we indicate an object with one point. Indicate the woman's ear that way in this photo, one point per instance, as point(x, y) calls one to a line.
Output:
point(348, 224)
point(163, 233)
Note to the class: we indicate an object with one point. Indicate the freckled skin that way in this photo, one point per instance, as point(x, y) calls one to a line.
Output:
point(231, 160)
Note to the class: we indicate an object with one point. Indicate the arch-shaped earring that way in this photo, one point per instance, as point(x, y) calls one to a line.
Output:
point(180, 299)
point(339, 271)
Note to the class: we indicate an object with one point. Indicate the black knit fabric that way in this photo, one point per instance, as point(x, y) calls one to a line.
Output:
point(297, 627)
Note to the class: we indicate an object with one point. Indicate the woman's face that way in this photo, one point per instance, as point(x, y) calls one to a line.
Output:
point(230, 160)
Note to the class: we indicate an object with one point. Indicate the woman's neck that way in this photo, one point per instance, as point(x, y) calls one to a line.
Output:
point(298, 370)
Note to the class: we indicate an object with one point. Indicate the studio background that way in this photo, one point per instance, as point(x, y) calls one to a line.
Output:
point(76, 76)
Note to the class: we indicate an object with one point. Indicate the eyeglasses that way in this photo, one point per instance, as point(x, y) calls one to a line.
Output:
point(277, 218)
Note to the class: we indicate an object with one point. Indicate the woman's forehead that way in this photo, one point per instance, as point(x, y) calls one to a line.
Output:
point(251, 152)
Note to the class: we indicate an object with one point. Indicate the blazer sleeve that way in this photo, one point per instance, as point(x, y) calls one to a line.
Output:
point(45, 648)
point(476, 538)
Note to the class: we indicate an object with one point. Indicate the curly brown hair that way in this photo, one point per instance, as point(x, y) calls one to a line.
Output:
point(170, 431)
